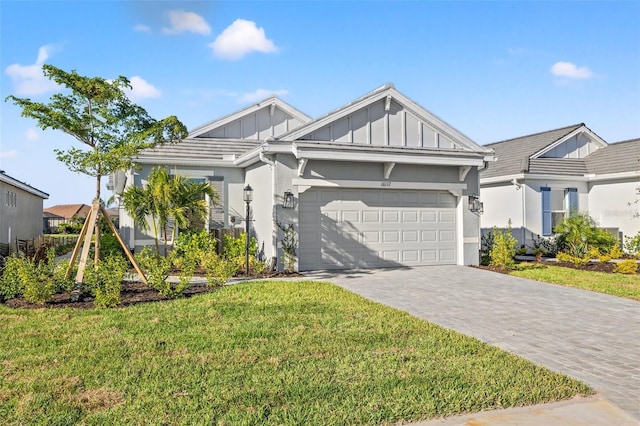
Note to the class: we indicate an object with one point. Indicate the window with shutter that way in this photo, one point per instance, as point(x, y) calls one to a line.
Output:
point(216, 212)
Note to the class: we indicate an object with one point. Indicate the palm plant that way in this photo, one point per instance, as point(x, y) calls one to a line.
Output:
point(167, 199)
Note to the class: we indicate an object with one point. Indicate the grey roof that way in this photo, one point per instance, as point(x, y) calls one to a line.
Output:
point(513, 154)
point(617, 157)
point(558, 166)
point(201, 148)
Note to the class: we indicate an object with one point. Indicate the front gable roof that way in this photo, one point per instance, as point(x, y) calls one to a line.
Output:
point(527, 153)
point(23, 186)
point(384, 117)
point(268, 118)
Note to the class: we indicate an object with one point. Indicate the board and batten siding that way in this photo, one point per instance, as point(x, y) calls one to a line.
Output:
point(379, 125)
point(257, 126)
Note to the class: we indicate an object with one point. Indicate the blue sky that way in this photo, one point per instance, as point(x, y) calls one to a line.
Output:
point(493, 70)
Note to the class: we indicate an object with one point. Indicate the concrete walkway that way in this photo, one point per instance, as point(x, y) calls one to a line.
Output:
point(590, 336)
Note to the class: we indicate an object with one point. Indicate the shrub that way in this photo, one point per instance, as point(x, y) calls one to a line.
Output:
point(157, 268)
point(486, 246)
point(105, 280)
point(10, 282)
point(234, 251)
point(547, 246)
point(628, 266)
point(36, 280)
point(218, 269)
point(504, 248)
point(578, 232)
point(569, 258)
point(289, 243)
point(613, 253)
point(632, 244)
point(194, 245)
point(109, 246)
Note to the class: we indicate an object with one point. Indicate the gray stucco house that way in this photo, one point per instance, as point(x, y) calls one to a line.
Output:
point(538, 179)
point(378, 182)
point(20, 211)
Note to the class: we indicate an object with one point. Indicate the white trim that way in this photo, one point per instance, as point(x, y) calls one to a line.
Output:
point(460, 206)
point(582, 129)
point(583, 178)
point(23, 186)
point(187, 162)
point(269, 102)
point(384, 92)
point(383, 184)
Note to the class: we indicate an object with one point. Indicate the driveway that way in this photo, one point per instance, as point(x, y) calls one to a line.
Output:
point(590, 336)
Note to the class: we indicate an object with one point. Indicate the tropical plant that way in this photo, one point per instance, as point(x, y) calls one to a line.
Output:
point(98, 113)
point(578, 232)
point(167, 200)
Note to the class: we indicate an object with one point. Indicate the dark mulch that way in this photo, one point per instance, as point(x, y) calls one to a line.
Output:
point(591, 266)
point(133, 292)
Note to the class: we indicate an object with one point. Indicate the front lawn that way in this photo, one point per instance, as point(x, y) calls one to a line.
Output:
point(614, 284)
point(254, 353)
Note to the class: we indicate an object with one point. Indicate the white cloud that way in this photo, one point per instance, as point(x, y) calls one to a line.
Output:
point(141, 89)
point(182, 21)
point(8, 154)
point(142, 28)
point(240, 38)
point(32, 135)
point(29, 79)
point(569, 70)
point(261, 94)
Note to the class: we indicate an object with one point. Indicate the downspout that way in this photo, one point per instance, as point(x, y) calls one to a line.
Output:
point(274, 238)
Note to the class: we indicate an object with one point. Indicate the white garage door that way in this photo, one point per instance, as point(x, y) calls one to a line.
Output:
point(365, 228)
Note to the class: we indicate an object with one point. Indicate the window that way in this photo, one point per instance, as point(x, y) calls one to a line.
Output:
point(10, 199)
point(556, 205)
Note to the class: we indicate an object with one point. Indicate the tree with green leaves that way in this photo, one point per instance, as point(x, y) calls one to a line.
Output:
point(98, 113)
point(165, 198)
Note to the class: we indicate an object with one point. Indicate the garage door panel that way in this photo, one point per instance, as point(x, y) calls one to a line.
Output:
point(447, 216)
point(375, 228)
point(371, 216)
point(447, 236)
point(390, 217)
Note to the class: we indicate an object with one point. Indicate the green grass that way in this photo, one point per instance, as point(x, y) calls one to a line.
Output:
point(254, 353)
point(614, 284)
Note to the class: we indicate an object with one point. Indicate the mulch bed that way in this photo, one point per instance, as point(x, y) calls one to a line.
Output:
point(133, 292)
point(591, 266)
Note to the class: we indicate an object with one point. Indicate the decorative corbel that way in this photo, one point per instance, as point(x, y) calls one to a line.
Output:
point(388, 167)
point(302, 164)
point(462, 172)
point(387, 103)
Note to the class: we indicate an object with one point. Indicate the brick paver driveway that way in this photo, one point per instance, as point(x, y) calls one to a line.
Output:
point(590, 336)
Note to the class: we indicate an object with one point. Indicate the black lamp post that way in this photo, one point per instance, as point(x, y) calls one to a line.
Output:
point(247, 196)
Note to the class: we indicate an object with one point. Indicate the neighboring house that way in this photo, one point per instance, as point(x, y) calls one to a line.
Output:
point(379, 182)
point(64, 213)
point(538, 179)
point(20, 211)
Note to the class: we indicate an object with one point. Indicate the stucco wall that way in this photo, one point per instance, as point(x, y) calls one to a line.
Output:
point(24, 220)
point(610, 207)
point(260, 177)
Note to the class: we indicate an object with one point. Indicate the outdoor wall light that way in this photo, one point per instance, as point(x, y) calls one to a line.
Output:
point(288, 200)
point(475, 205)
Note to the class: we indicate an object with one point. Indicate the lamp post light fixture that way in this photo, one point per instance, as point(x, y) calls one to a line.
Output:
point(287, 200)
point(247, 196)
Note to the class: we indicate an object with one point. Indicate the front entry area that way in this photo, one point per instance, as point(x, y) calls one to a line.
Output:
point(372, 228)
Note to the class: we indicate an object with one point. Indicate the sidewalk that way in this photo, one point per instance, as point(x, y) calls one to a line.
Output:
point(592, 411)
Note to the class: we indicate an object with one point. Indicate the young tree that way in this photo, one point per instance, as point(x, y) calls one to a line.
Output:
point(98, 113)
